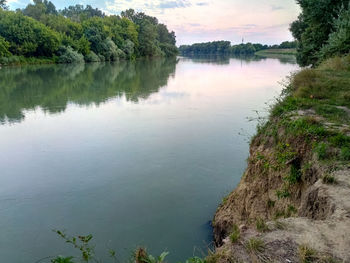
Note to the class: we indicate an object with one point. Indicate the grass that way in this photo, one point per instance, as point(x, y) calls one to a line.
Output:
point(282, 193)
point(307, 254)
point(329, 179)
point(255, 245)
point(280, 225)
point(235, 234)
point(261, 225)
point(322, 151)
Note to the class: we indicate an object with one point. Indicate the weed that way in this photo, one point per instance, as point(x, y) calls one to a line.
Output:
point(261, 226)
point(294, 175)
point(291, 210)
point(235, 234)
point(307, 254)
point(141, 256)
point(270, 203)
point(322, 151)
point(340, 140)
point(280, 225)
point(61, 259)
point(329, 179)
point(283, 193)
point(279, 214)
point(255, 245)
point(345, 154)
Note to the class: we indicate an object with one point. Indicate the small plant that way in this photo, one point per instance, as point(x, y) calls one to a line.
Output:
point(329, 179)
point(61, 259)
point(195, 260)
point(255, 245)
point(321, 151)
point(235, 234)
point(141, 256)
point(280, 225)
point(294, 175)
point(270, 203)
point(345, 154)
point(283, 193)
point(279, 214)
point(291, 210)
point(81, 243)
point(261, 226)
point(307, 254)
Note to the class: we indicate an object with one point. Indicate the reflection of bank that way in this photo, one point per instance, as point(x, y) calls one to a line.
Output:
point(244, 58)
point(52, 87)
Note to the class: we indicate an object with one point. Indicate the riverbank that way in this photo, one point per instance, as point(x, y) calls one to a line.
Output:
point(293, 201)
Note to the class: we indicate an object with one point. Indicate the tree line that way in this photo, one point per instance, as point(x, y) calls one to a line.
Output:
point(322, 30)
point(225, 48)
point(80, 33)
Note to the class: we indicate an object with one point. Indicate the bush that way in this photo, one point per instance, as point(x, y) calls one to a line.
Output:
point(339, 41)
point(92, 57)
point(4, 47)
point(68, 55)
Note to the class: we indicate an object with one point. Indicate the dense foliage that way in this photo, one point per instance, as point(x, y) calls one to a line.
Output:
point(322, 30)
point(65, 36)
point(224, 48)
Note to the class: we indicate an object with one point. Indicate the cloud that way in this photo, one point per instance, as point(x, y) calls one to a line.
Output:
point(276, 8)
point(202, 4)
point(174, 4)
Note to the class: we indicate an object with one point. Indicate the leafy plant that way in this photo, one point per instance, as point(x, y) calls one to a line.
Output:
point(61, 259)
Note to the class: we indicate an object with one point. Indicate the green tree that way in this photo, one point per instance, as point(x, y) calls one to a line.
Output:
point(4, 47)
point(313, 27)
point(27, 36)
point(3, 4)
point(339, 41)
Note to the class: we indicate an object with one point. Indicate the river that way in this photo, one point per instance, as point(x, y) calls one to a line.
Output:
point(134, 153)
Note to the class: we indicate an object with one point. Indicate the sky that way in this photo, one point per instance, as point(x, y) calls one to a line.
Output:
point(258, 21)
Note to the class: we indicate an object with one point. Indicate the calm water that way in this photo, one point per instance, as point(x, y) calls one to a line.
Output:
point(136, 153)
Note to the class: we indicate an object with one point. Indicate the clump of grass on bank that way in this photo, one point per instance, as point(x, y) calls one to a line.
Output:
point(261, 225)
point(255, 245)
point(235, 234)
point(307, 254)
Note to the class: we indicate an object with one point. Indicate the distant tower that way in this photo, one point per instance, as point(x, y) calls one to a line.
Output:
point(242, 40)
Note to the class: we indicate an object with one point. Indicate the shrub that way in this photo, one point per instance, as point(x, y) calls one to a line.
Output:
point(4, 47)
point(92, 57)
point(68, 55)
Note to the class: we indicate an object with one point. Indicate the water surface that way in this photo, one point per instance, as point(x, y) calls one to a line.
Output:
point(135, 153)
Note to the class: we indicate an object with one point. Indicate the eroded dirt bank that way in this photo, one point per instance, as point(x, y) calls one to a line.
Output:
point(293, 201)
